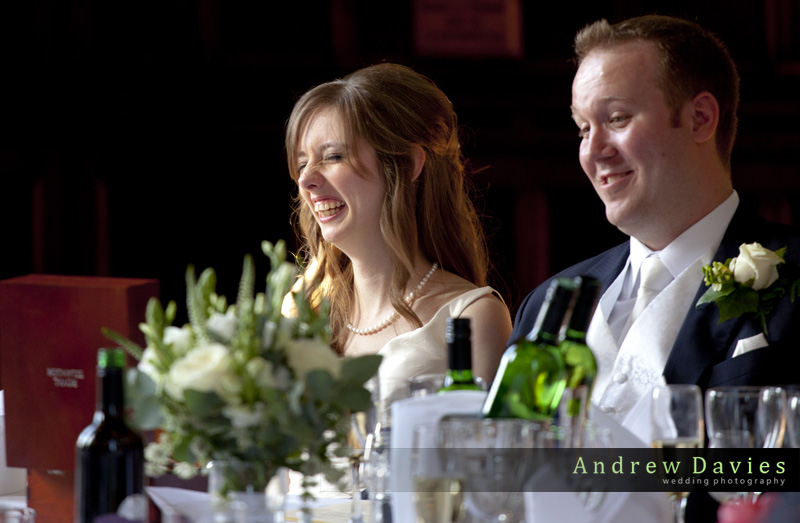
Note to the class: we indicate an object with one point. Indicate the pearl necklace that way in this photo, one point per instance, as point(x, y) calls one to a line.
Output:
point(393, 316)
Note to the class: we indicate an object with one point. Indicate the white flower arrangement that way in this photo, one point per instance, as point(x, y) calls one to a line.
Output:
point(241, 382)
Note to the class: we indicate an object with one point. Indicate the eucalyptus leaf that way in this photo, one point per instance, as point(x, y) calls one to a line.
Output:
point(353, 399)
point(147, 414)
point(360, 369)
point(320, 383)
point(141, 401)
point(202, 404)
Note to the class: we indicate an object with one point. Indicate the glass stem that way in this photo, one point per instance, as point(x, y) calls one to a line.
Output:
point(355, 507)
point(680, 508)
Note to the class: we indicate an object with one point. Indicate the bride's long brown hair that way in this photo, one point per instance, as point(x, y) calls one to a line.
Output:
point(393, 109)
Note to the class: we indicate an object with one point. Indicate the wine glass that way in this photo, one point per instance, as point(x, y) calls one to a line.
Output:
point(793, 417)
point(276, 491)
point(438, 480)
point(494, 456)
point(676, 422)
point(363, 426)
point(745, 417)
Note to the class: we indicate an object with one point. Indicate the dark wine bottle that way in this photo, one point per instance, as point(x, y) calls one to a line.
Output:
point(109, 455)
point(531, 376)
point(459, 347)
point(579, 360)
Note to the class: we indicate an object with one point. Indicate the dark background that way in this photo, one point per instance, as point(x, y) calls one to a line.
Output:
point(139, 137)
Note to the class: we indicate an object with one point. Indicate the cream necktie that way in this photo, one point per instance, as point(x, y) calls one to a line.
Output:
point(654, 278)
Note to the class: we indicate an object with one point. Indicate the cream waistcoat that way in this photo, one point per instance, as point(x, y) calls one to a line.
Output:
point(625, 373)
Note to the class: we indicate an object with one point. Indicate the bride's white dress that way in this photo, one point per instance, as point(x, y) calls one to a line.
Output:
point(423, 350)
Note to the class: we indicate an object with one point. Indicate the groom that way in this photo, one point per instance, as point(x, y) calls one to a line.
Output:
point(655, 100)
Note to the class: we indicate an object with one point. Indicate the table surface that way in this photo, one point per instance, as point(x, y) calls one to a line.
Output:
point(195, 506)
point(13, 500)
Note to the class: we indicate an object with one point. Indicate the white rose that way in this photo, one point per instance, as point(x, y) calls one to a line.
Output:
point(179, 339)
point(307, 354)
point(204, 369)
point(755, 263)
point(222, 325)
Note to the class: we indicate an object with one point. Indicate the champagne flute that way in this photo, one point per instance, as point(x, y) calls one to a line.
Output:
point(438, 480)
point(676, 422)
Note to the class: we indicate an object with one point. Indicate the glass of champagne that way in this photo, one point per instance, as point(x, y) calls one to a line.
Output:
point(438, 481)
point(676, 422)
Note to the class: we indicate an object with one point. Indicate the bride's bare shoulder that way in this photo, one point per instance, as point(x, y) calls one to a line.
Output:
point(442, 288)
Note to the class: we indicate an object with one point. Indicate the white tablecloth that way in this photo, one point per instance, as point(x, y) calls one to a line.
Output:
point(196, 506)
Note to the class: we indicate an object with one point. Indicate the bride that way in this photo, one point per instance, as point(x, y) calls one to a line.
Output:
point(388, 231)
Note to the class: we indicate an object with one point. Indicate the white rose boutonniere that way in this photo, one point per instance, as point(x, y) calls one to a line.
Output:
point(756, 266)
point(751, 283)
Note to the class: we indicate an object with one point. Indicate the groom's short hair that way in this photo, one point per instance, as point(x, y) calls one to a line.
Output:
point(693, 60)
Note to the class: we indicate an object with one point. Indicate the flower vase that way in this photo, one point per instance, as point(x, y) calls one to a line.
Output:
point(237, 491)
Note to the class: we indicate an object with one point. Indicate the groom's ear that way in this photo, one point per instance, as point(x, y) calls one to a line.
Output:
point(704, 114)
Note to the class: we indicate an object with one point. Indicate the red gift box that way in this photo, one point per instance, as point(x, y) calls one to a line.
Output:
point(50, 330)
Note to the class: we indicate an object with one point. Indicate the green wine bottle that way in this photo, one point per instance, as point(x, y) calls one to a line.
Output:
point(531, 375)
point(579, 361)
point(459, 347)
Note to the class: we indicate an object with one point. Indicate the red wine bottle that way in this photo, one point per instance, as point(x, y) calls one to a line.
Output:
point(109, 455)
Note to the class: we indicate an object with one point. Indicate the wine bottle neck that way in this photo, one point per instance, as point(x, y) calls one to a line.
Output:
point(460, 376)
point(460, 354)
point(578, 336)
point(543, 336)
point(551, 316)
point(110, 397)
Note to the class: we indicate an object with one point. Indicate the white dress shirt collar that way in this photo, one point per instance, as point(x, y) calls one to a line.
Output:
point(618, 300)
point(696, 240)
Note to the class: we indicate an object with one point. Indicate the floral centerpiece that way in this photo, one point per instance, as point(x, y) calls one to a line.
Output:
point(240, 382)
point(751, 283)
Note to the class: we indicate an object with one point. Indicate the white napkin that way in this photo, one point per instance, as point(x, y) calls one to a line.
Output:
point(551, 506)
point(547, 507)
point(642, 507)
point(408, 413)
point(637, 422)
point(752, 343)
point(12, 479)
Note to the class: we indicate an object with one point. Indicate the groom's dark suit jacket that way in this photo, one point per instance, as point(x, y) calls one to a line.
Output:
point(703, 350)
point(702, 353)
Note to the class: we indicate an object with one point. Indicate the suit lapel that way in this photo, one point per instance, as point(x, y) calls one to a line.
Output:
point(609, 266)
point(702, 341)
